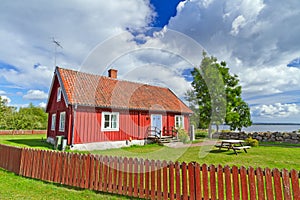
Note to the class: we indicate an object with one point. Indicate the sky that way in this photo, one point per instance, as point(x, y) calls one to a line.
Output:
point(258, 39)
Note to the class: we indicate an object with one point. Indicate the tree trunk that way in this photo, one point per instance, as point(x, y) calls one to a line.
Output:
point(209, 131)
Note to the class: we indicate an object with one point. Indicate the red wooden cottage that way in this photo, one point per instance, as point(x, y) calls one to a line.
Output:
point(93, 111)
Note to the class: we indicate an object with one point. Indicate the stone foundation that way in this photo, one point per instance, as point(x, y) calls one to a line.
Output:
point(106, 145)
point(293, 137)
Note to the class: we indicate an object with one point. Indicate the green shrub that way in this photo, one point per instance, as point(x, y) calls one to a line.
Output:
point(251, 142)
point(200, 133)
point(183, 136)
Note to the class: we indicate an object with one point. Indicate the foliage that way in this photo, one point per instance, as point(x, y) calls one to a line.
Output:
point(183, 136)
point(216, 97)
point(200, 133)
point(28, 118)
point(251, 142)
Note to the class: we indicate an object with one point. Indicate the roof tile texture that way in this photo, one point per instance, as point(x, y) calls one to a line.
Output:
point(99, 91)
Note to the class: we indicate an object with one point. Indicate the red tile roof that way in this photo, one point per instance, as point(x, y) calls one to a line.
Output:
point(99, 91)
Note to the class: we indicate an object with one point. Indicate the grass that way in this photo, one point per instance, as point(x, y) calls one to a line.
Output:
point(263, 156)
point(32, 141)
point(17, 187)
point(271, 155)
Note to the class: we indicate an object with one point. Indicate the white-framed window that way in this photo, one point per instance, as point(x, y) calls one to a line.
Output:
point(62, 121)
point(110, 121)
point(53, 122)
point(179, 121)
point(58, 94)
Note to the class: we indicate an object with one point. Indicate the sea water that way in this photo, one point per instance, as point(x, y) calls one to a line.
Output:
point(267, 127)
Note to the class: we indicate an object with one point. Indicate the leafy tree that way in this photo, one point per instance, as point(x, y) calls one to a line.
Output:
point(216, 96)
point(26, 118)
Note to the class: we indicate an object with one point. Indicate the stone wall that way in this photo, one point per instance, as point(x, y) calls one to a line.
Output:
point(293, 137)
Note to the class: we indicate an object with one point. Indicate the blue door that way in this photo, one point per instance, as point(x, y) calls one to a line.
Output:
point(156, 121)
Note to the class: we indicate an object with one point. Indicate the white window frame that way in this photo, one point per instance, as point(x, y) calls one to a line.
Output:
point(53, 122)
point(62, 121)
point(110, 128)
point(181, 118)
point(58, 94)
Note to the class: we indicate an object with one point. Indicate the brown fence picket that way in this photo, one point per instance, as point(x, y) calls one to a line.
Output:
point(213, 184)
point(252, 185)
point(260, 184)
point(235, 180)
point(115, 175)
point(220, 182)
point(243, 181)
point(171, 180)
point(158, 180)
point(120, 175)
point(184, 181)
point(269, 185)
point(125, 176)
point(110, 174)
point(198, 181)
point(205, 182)
point(105, 173)
point(295, 184)
point(177, 175)
point(135, 177)
point(228, 186)
point(165, 179)
point(191, 175)
point(142, 175)
point(286, 185)
point(100, 173)
point(277, 184)
point(147, 179)
point(152, 171)
point(130, 177)
point(92, 173)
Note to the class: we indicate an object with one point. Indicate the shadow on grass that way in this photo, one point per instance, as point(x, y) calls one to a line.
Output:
point(227, 152)
point(31, 143)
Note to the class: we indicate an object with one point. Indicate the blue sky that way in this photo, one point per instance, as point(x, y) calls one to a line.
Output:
point(258, 44)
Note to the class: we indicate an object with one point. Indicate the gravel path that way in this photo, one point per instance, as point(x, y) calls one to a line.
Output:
point(182, 145)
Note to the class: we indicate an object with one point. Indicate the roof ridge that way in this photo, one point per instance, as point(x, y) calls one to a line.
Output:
point(119, 80)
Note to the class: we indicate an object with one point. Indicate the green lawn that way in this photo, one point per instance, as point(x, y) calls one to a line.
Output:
point(17, 187)
point(263, 156)
point(33, 141)
point(271, 155)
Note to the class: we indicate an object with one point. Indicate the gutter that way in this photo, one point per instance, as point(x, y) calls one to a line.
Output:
point(74, 119)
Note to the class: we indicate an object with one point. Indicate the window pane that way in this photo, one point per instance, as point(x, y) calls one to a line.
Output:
point(114, 118)
point(114, 124)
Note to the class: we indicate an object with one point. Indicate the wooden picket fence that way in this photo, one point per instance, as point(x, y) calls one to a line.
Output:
point(151, 179)
point(22, 132)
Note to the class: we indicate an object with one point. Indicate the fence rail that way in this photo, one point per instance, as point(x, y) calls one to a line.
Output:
point(22, 132)
point(151, 179)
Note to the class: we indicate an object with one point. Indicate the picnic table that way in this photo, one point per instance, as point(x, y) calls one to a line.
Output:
point(234, 145)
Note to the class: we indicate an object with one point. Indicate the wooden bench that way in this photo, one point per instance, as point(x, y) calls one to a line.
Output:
point(240, 148)
point(225, 146)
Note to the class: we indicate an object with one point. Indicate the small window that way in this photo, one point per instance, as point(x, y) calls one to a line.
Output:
point(53, 122)
point(58, 94)
point(62, 121)
point(110, 121)
point(179, 121)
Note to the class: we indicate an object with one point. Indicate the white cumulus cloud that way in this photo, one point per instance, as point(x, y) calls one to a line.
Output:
point(276, 110)
point(35, 95)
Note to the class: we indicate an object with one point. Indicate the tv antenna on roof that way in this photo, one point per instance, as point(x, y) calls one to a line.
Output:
point(56, 44)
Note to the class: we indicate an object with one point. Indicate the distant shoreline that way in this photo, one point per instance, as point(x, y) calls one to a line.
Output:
point(296, 124)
